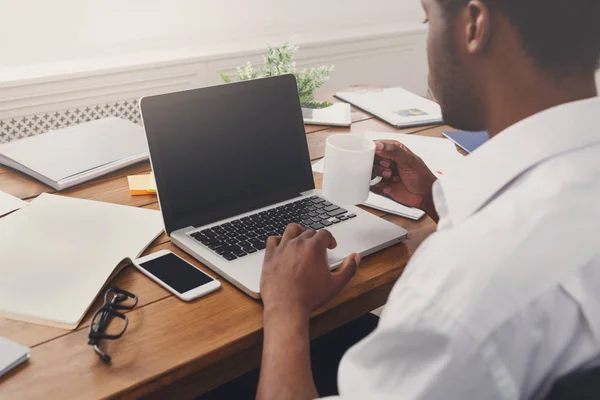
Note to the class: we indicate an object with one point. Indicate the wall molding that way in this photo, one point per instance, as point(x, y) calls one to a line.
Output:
point(99, 82)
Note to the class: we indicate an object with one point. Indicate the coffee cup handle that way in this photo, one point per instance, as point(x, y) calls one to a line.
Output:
point(376, 181)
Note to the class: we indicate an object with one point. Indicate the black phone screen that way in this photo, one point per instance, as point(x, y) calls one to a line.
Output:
point(176, 273)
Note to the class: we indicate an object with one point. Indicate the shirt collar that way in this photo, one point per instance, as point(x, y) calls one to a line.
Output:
point(482, 174)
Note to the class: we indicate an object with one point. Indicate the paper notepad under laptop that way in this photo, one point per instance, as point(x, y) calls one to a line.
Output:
point(439, 154)
point(57, 254)
point(73, 155)
point(396, 106)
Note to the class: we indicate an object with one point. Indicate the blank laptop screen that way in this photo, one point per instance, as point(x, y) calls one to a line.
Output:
point(221, 151)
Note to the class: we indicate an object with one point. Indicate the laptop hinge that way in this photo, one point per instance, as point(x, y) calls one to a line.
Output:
point(309, 192)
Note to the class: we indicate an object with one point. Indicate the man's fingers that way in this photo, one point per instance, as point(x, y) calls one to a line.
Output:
point(345, 272)
point(385, 173)
point(395, 151)
point(272, 243)
point(383, 188)
point(292, 231)
point(307, 234)
point(325, 238)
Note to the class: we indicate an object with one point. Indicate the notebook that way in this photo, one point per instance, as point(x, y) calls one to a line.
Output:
point(339, 114)
point(11, 355)
point(9, 203)
point(73, 155)
point(396, 106)
point(468, 141)
point(52, 279)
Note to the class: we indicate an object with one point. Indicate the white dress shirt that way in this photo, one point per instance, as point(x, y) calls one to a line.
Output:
point(505, 297)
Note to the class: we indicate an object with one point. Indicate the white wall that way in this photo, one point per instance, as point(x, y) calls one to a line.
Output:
point(34, 31)
point(60, 54)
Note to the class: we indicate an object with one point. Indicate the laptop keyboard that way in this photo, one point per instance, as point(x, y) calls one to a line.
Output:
point(248, 235)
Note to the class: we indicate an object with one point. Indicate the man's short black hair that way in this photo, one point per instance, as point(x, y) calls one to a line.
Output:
point(561, 36)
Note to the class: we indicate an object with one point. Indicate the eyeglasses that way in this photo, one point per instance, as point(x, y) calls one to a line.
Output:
point(108, 323)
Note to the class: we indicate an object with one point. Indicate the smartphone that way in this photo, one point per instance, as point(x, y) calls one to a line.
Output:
point(176, 275)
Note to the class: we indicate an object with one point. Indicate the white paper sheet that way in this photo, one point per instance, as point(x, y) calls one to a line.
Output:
point(382, 203)
point(57, 253)
point(10, 203)
point(439, 154)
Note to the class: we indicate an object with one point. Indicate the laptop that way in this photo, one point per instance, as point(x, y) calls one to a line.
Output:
point(232, 168)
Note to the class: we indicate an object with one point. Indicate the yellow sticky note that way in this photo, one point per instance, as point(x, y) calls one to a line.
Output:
point(152, 184)
point(138, 184)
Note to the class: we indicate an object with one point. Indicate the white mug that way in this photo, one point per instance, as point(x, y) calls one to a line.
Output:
point(348, 168)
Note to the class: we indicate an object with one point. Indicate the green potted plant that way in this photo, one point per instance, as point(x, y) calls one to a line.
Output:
point(280, 61)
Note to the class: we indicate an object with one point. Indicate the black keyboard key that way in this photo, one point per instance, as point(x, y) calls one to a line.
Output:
point(337, 212)
point(243, 244)
point(308, 222)
point(336, 221)
point(260, 246)
point(231, 241)
point(343, 217)
point(223, 250)
point(326, 223)
point(322, 211)
point(217, 246)
point(305, 216)
point(331, 208)
point(311, 208)
point(250, 250)
point(204, 232)
point(352, 216)
point(317, 200)
point(229, 257)
point(316, 226)
point(327, 204)
point(312, 214)
point(263, 238)
point(316, 219)
point(239, 253)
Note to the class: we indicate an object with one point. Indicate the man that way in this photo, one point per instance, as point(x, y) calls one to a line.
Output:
point(505, 297)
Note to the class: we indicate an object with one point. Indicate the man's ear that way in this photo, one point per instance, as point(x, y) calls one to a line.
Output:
point(477, 27)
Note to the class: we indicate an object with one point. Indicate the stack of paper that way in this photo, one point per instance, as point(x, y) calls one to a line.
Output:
point(10, 203)
point(11, 355)
point(52, 278)
point(440, 155)
point(69, 156)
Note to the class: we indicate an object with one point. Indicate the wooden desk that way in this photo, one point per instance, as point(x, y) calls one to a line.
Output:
point(176, 349)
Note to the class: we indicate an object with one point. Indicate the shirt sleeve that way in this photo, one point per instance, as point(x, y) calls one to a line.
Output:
point(417, 352)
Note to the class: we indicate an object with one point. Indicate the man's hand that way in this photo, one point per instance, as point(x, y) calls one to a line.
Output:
point(406, 178)
point(296, 275)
